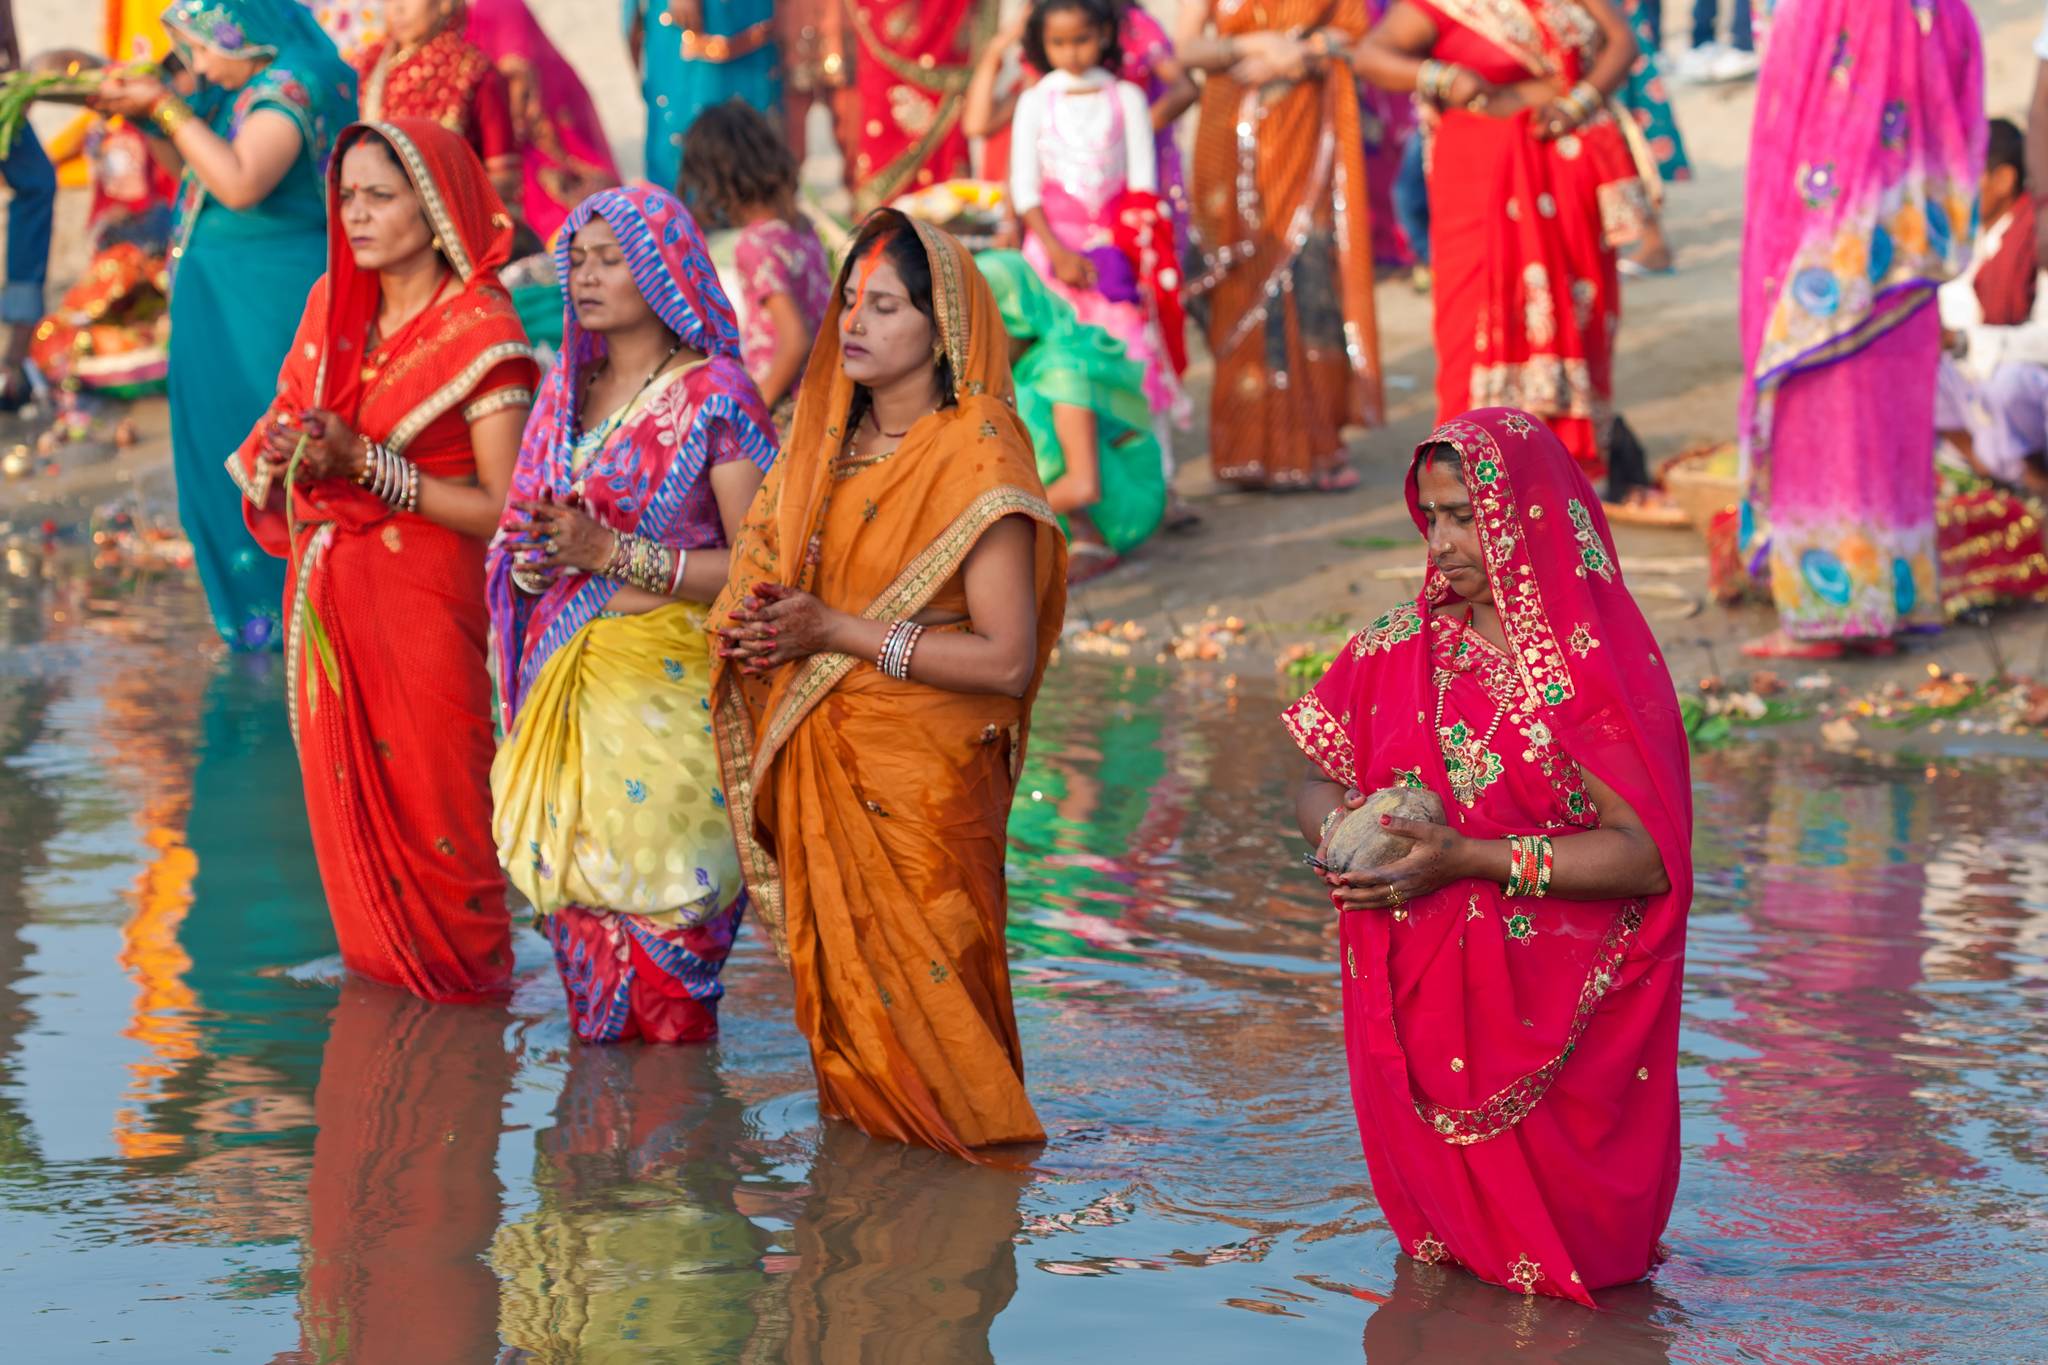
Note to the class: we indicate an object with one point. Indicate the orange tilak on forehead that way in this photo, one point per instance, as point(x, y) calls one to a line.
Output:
point(869, 264)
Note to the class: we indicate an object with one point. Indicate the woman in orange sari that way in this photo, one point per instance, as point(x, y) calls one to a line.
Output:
point(895, 594)
point(1283, 241)
point(403, 395)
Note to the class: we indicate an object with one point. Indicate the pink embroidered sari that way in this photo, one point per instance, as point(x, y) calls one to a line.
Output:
point(1514, 1062)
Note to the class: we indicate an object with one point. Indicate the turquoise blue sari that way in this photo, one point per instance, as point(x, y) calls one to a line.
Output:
point(678, 89)
point(240, 278)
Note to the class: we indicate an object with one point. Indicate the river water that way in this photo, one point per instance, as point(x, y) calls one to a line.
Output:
point(213, 1146)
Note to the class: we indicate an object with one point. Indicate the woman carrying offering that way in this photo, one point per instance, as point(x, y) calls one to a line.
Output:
point(1863, 176)
point(1083, 401)
point(1283, 234)
point(401, 402)
point(896, 593)
point(251, 239)
point(1511, 981)
point(424, 67)
point(646, 445)
point(1532, 190)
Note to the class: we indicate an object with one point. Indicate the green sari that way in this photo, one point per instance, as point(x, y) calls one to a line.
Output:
point(240, 282)
point(1073, 363)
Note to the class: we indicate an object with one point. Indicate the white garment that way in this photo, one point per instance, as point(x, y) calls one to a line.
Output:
point(2041, 43)
point(1139, 154)
point(2025, 343)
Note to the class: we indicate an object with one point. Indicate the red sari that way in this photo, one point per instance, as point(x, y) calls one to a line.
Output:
point(1523, 232)
point(1514, 1063)
point(447, 79)
point(911, 64)
point(395, 747)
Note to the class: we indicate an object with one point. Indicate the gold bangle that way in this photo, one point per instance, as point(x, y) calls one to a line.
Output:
point(169, 114)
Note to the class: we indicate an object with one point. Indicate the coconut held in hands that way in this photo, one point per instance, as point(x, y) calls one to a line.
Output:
point(1360, 841)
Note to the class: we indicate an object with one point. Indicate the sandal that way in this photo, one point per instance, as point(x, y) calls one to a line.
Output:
point(1089, 559)
point(1341, 479)
point(1779, 645)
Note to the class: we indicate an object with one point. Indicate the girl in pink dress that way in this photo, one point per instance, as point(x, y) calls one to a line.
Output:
point(739, 173)
point(1082, 155)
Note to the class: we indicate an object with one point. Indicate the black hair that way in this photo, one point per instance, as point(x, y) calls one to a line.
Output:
point(1433, 453)
point(734, 158)
point(902, 249)
point(1106, 15)
point(2007, 146)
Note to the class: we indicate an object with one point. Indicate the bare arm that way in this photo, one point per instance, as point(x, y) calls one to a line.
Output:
point(1081, 486)
point(996, 654)
point(474, 509)
point(704, 571)
point(981, 113)
point(1392, 54)
point(1618, 52)
point(792, 349)
point(239, 174)
point(1177, 98)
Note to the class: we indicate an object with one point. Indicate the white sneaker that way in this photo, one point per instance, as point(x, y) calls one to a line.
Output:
point(1695, 66)
point(1733, 64)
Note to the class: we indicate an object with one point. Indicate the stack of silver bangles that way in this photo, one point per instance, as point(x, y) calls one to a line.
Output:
point(897, 647)
point(392, 477)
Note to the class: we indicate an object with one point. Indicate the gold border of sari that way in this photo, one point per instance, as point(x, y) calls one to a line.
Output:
point(910, 593)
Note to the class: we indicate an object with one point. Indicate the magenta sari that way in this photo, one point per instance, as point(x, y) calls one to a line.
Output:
point(562, 146)
point(1514, 1062)
point(1863, 169)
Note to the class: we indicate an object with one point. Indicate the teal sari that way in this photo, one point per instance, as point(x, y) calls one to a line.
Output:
point(678, 88)
point(240, 278)
point(1072, 363)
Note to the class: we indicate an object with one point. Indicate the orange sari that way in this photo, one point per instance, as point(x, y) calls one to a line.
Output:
point(1284, 233)
point(869, 812)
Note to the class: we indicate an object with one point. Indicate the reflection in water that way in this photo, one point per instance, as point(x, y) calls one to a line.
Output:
point(207, 1147)
point(903, 1255)
point(637, 1251)
point(404, 1196)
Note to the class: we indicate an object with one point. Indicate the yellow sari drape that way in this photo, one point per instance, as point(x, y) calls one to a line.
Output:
point(606, 790)
point(870, 813)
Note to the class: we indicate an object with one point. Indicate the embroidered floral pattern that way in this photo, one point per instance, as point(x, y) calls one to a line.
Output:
point(1593, 556)
point(1525, 1274)
point(1322, 737)
point(1428, 1250)
point(1401, 624)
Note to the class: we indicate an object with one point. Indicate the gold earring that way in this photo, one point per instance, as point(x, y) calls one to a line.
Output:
point(437, 241)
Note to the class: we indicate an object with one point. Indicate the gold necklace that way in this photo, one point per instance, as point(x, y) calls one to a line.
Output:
point(1471, 764)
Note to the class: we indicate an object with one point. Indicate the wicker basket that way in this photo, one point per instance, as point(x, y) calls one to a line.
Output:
point(1693, 482)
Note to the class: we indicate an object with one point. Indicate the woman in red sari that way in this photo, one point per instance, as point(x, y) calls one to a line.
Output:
point(1532, 189)
point(1513, 1051)
point(405, 392)
point(912, 62)
point(426, 67)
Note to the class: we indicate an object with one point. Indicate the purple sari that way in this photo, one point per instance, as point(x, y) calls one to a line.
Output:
point(1864, 160)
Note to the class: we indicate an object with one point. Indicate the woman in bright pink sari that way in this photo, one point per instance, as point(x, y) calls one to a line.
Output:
point(563, 152)
point(1513, 1057)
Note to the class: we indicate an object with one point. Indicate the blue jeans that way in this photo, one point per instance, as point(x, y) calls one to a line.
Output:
point(1411, 199)
point(1706, 15)
point(33, 180)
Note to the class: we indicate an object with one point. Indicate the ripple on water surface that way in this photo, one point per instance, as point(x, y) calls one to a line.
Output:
point(212, 1144)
